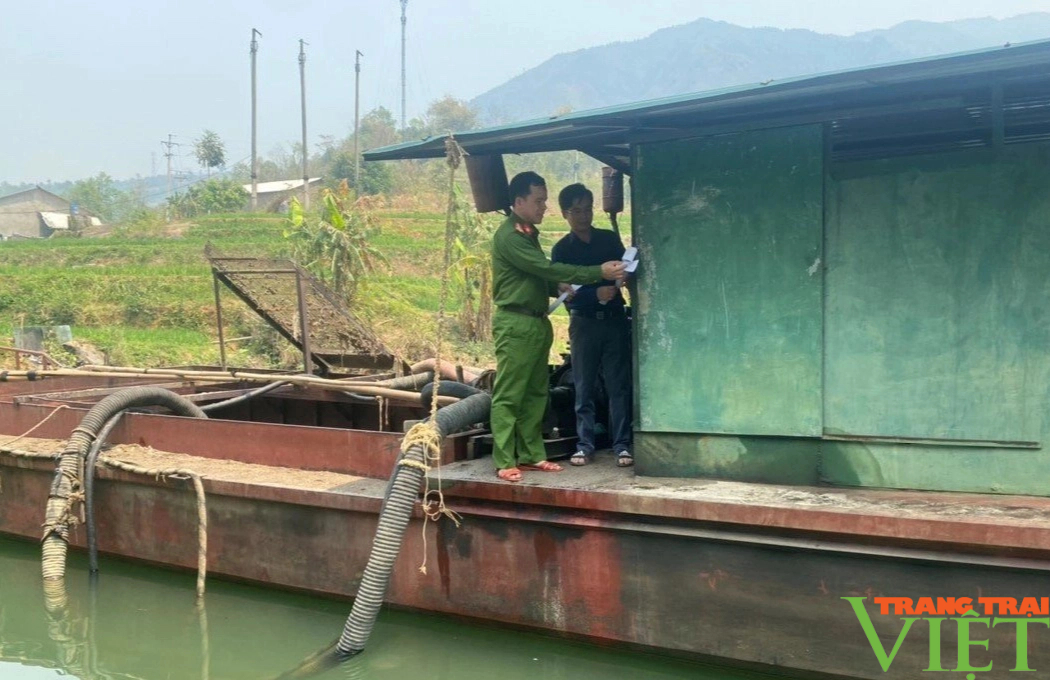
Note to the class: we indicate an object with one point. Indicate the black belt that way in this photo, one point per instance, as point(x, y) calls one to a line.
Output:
point(600, 314)
point(521, 309)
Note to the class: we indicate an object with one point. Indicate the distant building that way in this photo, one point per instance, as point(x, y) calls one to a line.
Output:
point(274, 195)
point(37, 213)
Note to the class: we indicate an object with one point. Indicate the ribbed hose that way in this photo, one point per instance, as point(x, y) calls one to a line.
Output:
point(397, 511)
point(447, 388)
point(411, 382)
point(66, 484)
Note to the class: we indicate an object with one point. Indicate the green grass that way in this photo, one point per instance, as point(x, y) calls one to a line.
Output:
point(144, 294)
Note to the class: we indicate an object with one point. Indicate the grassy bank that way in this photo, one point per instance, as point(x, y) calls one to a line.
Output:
point(144, 295)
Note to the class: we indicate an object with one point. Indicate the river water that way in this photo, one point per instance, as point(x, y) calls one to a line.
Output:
point(142, 622)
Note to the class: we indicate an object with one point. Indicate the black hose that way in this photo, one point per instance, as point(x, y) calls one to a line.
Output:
point(56, 521)
point(448, 388)
point(89, 489)
point(243, 397)
point(363, 398)
point(394, 518)
point(410, 383)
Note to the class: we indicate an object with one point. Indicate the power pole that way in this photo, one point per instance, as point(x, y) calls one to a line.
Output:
point(357, 127)
point(168, 154)
point(255, 160)
point(302, 90)
point(404, 4)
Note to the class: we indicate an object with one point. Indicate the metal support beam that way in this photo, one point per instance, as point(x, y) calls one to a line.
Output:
point(304, 326)
point(218, 319)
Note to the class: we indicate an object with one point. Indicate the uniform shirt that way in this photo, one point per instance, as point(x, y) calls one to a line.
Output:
point(604, 245)
point(522, 275)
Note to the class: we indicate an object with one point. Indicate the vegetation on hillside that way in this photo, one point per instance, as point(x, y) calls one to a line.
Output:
point(144, 294)
point(141, 291)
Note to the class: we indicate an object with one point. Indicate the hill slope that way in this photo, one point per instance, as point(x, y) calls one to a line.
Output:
point(705, 55)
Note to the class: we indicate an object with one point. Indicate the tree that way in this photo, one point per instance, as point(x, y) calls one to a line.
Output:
point(213, 196)
point(100, 196)
point(210, 151)
point(449, 114)
point(378, 128)
point(336, 243)
point(472, 269)
point(376, 178)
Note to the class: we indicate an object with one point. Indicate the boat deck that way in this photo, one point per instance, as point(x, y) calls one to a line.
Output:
point(971, 522)
point(1008, 526)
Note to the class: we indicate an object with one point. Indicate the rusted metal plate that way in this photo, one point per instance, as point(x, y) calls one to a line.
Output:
point(355, 452)
point(657, 583)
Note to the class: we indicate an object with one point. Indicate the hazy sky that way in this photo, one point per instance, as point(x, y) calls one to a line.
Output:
point(95, 86)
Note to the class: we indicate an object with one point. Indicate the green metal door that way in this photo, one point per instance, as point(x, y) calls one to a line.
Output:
point(730, 284)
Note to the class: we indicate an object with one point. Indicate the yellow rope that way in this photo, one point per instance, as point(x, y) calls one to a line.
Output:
point(161, 474)
point(426, 434)
point(32, 429)
point(20, 453)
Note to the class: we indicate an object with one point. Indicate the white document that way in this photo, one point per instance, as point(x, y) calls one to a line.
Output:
point(630, 259)
point(561, 298)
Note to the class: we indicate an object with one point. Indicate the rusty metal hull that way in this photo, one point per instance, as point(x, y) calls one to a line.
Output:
point(751, 584)
point(682, 588)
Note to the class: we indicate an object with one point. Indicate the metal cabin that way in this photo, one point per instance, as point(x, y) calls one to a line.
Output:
point(843, 277)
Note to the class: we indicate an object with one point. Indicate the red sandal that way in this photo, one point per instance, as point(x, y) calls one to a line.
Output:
point(542, 466)
point(509, 474)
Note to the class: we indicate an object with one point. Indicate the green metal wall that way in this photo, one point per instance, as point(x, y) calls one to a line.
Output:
point(929, 319)
point(729, 329)
point(938, 282)
point(938, 320)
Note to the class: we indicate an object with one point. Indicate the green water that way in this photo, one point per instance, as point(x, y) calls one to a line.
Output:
point(142, 622)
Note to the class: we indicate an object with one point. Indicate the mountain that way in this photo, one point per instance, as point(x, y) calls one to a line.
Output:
point(708, 55)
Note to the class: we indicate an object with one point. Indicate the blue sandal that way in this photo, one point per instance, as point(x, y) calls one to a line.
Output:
point(579, 458)
point(624, 459)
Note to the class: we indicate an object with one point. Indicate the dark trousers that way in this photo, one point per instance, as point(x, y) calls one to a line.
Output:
point(601, 345)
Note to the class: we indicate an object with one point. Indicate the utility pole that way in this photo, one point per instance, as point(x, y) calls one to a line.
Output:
point(404, 4)
point(168, 154)
point(255, 160)
point(302, 90)
point(357, 127)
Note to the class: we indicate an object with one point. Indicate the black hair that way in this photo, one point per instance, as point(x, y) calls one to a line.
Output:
point(573, 193)
point(521, 185)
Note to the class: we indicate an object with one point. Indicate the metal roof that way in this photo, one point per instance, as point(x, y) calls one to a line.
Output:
point(947, 83)
point(279, 185)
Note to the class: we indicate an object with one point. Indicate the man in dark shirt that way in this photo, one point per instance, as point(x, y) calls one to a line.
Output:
point(599, 331)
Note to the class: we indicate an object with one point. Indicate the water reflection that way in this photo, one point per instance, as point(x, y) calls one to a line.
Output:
point(142, 623)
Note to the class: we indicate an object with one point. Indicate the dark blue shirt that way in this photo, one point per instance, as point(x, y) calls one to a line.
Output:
point(605, 245)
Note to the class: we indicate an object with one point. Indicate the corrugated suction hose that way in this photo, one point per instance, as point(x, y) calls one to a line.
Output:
point(66, 487)
point(397, 511)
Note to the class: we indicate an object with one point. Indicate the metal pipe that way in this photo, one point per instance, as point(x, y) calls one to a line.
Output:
point(218, 319)
point(304, 326)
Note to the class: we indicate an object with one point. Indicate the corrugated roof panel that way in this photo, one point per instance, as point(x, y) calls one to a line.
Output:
point(805, 99)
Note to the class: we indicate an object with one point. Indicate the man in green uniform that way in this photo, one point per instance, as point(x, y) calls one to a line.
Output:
point(522, 281)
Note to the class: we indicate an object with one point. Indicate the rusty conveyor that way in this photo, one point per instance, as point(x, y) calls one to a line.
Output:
point(280, 292)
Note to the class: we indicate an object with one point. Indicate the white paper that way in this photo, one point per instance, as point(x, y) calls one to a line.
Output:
point(561, 298)
point(630, 260)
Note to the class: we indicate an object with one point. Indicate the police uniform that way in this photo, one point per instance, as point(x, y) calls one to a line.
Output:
point(523, 280)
